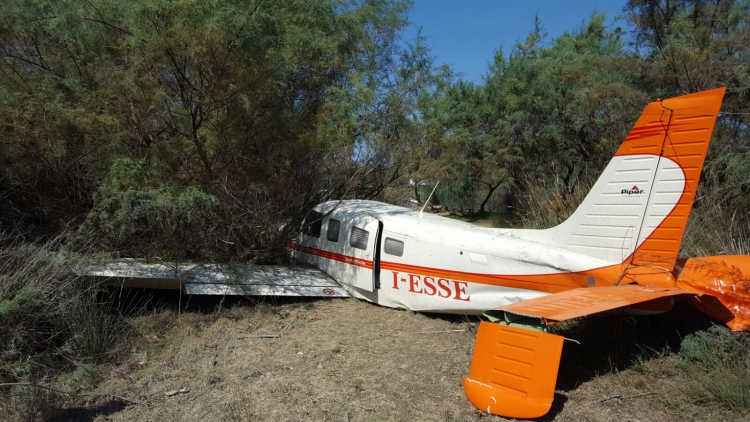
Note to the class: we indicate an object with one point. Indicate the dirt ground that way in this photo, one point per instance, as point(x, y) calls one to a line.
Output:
point(341, 360)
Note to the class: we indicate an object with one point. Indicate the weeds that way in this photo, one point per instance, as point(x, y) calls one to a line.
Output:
point(95, 326)
point(54, 322)
point(719, 361)
point(715, 229)
point(547, 206)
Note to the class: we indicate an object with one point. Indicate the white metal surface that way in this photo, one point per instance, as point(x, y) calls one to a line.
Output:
point(213, 279)
point(453, 267)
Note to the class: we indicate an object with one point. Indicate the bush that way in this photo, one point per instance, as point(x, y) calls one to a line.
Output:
point(52, 322)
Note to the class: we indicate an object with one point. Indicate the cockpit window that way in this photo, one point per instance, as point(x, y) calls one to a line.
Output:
point(358, 238)
point(393, 247)
point(313, 224)
point(334, 226)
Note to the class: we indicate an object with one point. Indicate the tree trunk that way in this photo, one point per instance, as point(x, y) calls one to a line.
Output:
point(489, 195)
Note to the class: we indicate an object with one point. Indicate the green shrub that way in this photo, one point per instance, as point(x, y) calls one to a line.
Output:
point(94, 326)
point(719, 361)
point(135, 215)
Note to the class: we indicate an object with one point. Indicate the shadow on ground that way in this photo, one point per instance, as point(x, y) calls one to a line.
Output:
point(613, 344)
point(88, 414)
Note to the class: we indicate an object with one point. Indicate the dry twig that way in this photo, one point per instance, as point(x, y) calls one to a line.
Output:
point(626, 397)
point(438, 331)
point(260, 336)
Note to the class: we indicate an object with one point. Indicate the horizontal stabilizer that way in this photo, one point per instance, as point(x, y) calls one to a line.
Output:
point(214, 279)
point(584, 301)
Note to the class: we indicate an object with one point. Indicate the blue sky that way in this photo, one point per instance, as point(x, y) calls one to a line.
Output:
point(466, 33)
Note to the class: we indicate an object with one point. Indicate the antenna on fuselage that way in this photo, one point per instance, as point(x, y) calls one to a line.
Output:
point(428, 199)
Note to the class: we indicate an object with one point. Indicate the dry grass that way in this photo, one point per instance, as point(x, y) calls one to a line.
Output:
point(346, 360)
point(333, 360)
point(715, 229)
point(55, 327)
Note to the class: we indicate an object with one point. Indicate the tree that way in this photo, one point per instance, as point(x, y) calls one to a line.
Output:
point(118, 112)
point(694, 45)
point(545, 112)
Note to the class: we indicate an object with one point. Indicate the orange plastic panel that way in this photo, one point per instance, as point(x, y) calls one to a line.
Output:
point(727, 278)
point(514, 370)
point(576, 303)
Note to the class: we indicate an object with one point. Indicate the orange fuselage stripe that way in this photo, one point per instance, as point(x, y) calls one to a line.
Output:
point(358, 262)
point(549, 283)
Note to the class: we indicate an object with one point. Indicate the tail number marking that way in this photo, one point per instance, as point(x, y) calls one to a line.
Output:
point(431, 286)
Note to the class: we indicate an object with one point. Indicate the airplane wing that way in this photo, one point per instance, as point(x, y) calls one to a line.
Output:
point(514, 368)
point(215, 279)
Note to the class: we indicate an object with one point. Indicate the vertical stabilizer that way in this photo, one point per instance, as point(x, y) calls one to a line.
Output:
point(637, 211)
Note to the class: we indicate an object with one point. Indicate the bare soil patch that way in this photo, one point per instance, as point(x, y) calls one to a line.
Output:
point(346, 360)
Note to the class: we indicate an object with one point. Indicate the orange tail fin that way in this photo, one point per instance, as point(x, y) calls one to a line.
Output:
point(679, 130)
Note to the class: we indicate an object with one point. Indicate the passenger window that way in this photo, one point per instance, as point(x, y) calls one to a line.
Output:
point(358, 238)
point(334, 226)
point(394, 247)
point(313, 224)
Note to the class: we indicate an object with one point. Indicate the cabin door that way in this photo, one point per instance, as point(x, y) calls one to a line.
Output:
point(362, 244)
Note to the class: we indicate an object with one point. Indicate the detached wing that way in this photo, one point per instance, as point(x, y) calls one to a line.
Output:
point(214, 279)
point(515, 363)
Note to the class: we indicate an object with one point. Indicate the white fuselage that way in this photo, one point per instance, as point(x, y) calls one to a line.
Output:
point(430, 263)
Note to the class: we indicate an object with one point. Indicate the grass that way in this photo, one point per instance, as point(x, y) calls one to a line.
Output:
point(364, 362)
point(718, 360)
point(56, 328)
point(716, 229)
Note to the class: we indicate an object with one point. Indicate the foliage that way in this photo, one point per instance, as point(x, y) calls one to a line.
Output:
point(53, 321)
point(205, 130)
point(719, 361)
point(693, 45)
point(543, 113)
point(221, 110)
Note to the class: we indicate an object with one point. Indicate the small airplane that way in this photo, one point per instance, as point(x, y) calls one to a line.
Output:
point(617, 252)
